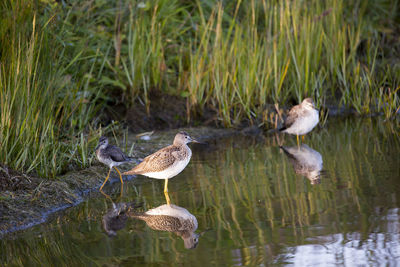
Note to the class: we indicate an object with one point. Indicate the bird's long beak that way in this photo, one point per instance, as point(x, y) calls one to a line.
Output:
point(196, 141)
point(205, 231)
point(97, 147)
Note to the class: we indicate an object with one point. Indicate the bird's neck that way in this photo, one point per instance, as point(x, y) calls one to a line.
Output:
point(179, 143)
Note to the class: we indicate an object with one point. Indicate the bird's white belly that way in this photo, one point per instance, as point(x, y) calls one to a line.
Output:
point(309, 157)
point(170, 210)
point(173, 211)
point(170, 171)
point(304, 125)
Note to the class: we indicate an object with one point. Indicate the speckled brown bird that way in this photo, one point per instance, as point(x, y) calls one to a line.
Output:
point(166, 162)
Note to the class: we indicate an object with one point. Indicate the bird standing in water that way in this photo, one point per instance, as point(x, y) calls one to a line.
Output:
point(301, 119)
point(166, 162)
point(111, 156)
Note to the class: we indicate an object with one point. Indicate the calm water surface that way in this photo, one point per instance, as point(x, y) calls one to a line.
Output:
point(334, 201)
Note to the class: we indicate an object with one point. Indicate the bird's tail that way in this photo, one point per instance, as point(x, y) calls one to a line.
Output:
point(282, 129)
point(274, 130)
point(130, 172)
point(287, 153)
point(284, 150)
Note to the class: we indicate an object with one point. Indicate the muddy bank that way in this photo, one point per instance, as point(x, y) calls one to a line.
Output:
point(172, 112)
point(27, 201)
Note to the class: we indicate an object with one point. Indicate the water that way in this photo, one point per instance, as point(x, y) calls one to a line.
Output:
point(251, 206)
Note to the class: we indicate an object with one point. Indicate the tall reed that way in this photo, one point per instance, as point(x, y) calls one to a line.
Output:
point(280, 50)
point(236, 57)
point(44, 112)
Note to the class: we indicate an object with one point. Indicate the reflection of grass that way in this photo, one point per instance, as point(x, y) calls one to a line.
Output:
point(234, 57)
point(262, 192)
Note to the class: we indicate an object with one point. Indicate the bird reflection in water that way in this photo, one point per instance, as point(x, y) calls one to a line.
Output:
point(172, 218)
point(115, 219)
point(167, 217)
point(305, 161)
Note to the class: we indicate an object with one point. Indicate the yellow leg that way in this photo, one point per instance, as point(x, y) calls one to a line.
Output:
point(167, 198)
point(121, 192)
point(120, 176)
point(298, 143)
point(108, 176)
point(166, 186)
point(302, 138)
point(107, 196)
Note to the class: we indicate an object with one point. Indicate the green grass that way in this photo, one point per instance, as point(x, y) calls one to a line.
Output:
point(237, 57)
point(63, 63)
point(44, 111)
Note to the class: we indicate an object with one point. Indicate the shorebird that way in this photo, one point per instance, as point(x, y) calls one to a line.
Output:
point(111, 156)
point(171, 218)
point(301, 119)
point(305, 161)
point(166, 162)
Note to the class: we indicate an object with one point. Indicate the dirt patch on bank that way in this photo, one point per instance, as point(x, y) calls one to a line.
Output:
point(163, 112)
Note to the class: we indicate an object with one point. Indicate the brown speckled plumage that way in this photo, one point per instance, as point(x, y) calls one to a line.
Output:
point(294, 113)
point(160, 160)
point(301, 119)
point(166, 223)
point(168, 161)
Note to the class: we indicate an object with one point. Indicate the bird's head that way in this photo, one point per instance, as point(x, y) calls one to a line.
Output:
point(308, 103)
point(191, 241)
point(183, 138)
point(103, 142)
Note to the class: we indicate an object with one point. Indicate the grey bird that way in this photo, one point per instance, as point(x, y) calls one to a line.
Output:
point(111, 156)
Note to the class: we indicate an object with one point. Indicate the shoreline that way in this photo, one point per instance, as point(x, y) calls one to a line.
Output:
point(23, 210)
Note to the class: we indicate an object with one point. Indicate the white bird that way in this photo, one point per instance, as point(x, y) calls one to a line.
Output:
point(301, 119)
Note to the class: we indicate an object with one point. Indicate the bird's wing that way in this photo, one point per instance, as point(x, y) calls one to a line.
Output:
point(116, 154)
point(294, 160)
point(292, 117)
point(164, 223)
point(157, 161)
point(287, 152)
